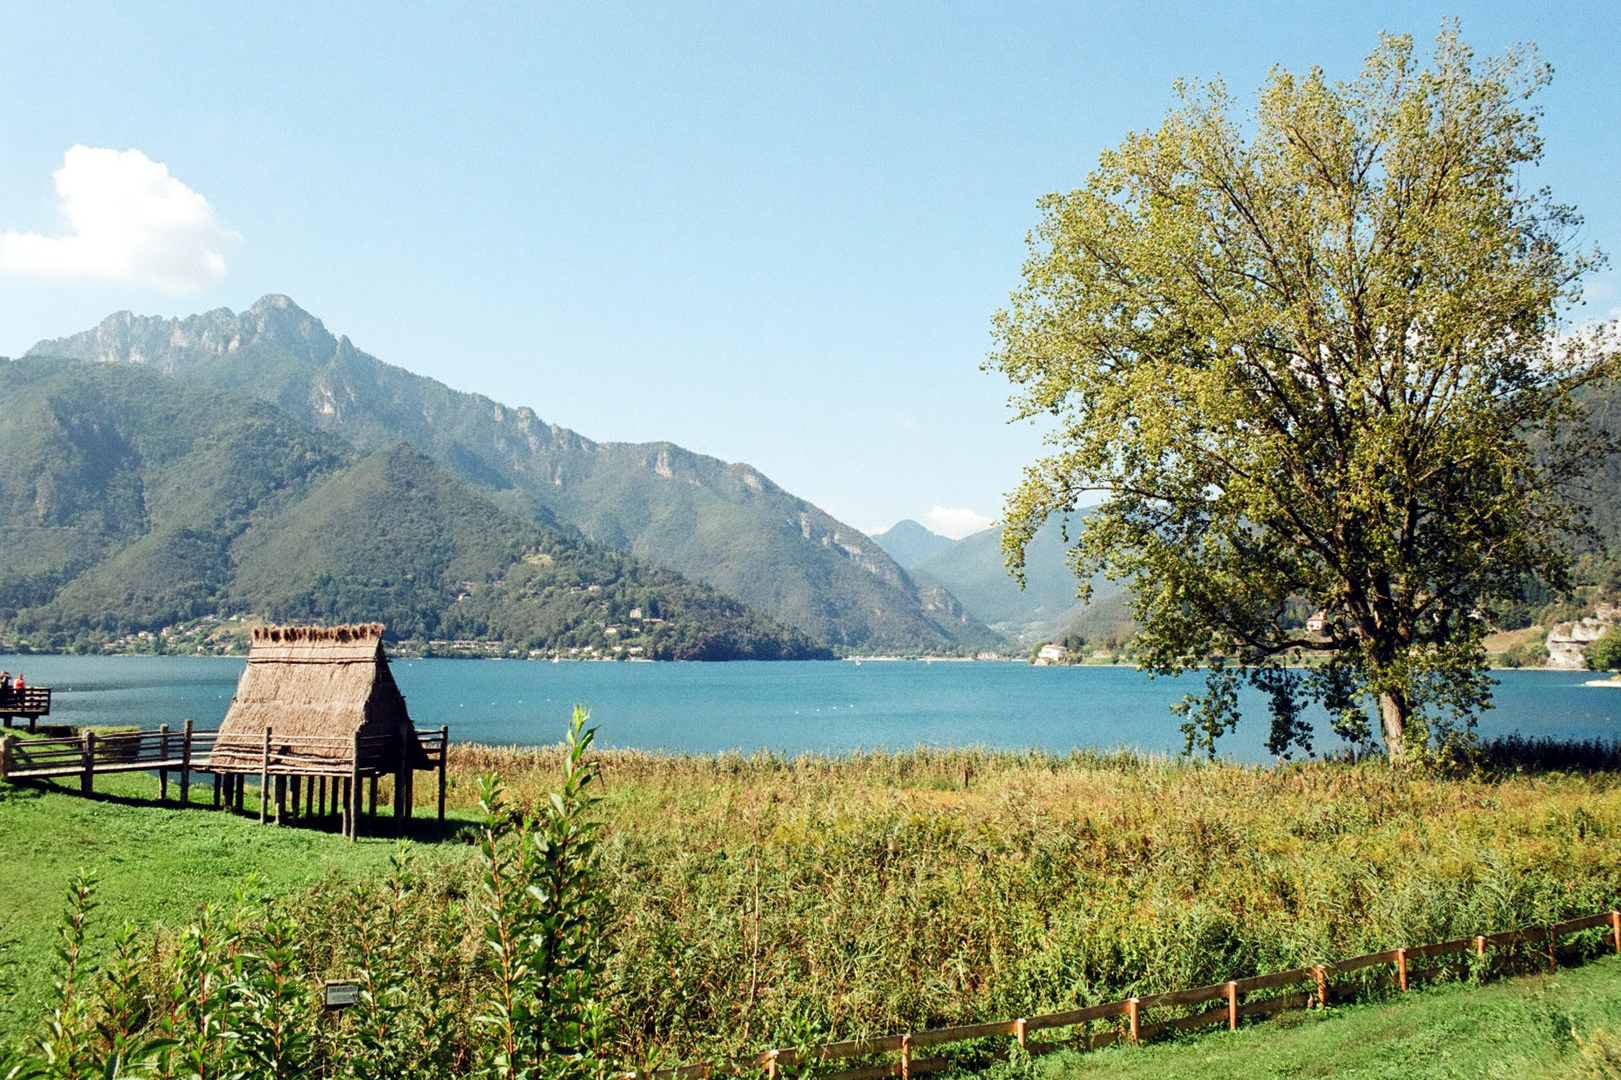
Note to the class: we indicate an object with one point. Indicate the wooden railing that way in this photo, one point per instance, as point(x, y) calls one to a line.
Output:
point(188, 749)
point(32, 702)
point(109, 752)
point(1306, 986)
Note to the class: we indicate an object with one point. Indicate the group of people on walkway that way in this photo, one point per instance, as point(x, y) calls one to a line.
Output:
point(10, 687)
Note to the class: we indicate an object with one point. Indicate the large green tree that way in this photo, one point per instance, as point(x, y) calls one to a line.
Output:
point(1317, 357)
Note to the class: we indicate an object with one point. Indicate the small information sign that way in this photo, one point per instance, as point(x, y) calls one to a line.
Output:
point(341, 995)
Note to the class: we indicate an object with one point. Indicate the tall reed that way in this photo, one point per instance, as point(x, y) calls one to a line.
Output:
point(641, 908)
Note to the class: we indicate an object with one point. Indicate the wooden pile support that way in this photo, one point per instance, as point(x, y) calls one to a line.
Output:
point(1127, 1021)
point(310, 778)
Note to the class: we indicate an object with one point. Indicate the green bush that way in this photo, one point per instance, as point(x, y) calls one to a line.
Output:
point(1605, 653)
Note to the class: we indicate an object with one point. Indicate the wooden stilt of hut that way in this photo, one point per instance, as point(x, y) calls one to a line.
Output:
point(317, 708)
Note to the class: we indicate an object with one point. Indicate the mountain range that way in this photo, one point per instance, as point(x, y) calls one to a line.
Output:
point(714, 523)
point(973, 570)
point(130, 502)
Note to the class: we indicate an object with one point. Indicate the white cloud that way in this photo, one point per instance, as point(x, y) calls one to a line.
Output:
point(956, 522)
point(129, 221)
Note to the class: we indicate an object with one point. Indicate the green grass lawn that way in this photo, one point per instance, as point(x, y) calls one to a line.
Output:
point(156, 864)
point(1519, 1028)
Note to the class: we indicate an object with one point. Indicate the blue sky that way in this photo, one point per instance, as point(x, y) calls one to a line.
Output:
point(774, 233)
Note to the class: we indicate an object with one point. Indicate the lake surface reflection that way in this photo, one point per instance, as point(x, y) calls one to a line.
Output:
point(788, 707)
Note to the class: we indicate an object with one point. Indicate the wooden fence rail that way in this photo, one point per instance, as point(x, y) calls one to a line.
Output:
point(1230, 994)
point(188, 749)
point(30, 703)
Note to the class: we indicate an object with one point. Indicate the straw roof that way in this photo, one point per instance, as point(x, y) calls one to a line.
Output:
point(315, 688)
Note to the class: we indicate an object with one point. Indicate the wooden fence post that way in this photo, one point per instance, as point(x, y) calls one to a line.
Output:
point(6, 752)
point(1018, 1033)
point(400, 773)
point(163, 756)
point(1480, 946)
point(87, 764)
point(185, 764)
point(1131, 1017)
point(1232, 1006)
point(354, 788)
point(264, 781)
point(1615, 928)
point(1320, 973)
point(1401, 967)
point(906, 1056)
point(1553, 964)
point(444, 755)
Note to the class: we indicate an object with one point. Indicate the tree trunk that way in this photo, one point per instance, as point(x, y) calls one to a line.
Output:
point(1393, 711)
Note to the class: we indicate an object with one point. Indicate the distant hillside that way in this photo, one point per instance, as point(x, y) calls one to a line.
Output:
point(130, 501)
point(909, 543)
point(723, 524)
point(974, 571)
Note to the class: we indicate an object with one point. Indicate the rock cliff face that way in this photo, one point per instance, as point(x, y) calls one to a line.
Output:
point(719, 522)
point(1568, 642)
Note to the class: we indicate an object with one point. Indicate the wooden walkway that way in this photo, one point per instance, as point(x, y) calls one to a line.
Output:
point(32, 703)
point(322, 775)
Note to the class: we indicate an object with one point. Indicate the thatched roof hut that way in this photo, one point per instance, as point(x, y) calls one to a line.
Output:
point(316, 688)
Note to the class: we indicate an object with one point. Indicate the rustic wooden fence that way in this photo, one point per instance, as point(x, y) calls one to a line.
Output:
point(30, 703)
point(298, 766)
point(89, 753)
point(1129, 1021)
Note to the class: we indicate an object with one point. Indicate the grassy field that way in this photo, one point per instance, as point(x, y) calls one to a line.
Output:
point(1519, 1029)
point(157, 864)
point(762, 901)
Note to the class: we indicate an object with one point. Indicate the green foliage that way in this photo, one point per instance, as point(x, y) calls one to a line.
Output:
point(1526, 654)
point(1605, 653)
point(1534, 1028)
point(65, 1050)
point(1314, 355)
point(755, 901)
point(236, 508)
point(710, 521)
point(545, 923)
point(230, 995)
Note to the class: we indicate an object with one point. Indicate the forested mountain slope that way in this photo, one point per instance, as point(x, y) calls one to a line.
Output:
point(724, 524)
point(130, 501)
point(974, 570)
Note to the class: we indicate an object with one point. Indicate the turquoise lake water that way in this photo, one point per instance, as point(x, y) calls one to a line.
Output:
point(789, 707)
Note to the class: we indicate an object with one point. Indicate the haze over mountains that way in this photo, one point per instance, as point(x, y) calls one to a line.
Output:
point(974, 571)
point(721, 524)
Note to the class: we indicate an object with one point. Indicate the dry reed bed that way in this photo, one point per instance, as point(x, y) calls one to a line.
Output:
point(770, 901)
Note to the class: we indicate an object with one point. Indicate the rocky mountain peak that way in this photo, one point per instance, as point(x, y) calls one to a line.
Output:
point(172, 344)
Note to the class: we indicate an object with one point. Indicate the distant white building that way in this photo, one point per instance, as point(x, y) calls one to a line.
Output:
point(1051, 654)
point(1315, 624)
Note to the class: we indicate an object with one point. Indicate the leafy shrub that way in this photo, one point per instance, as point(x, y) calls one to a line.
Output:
point(1605, 653)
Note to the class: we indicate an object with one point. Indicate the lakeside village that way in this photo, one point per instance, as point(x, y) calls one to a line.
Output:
point(1558, 645)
